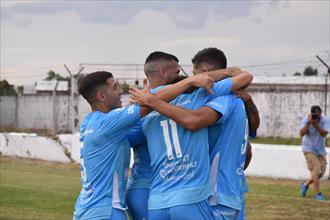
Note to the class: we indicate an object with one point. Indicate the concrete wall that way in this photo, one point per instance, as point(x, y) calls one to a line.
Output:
point(276, 161)
point(36, 112)
point(281, 108)
point(8, 110)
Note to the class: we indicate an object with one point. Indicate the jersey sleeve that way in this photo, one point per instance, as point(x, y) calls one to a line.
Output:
point(136, 135)
point(221, 104)
point(122, 118)
point(220, 88)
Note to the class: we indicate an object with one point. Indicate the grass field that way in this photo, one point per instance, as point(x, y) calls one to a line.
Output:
point(32, 189)
point(281, 141)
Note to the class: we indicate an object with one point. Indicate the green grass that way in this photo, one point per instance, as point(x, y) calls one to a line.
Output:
point(279, 140)
point(280, 199)
point(32, 189)
point(37, 190)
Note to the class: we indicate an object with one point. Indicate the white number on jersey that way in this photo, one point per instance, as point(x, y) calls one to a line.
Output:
point(83, 171)
point(166, 133)
point(246, 136)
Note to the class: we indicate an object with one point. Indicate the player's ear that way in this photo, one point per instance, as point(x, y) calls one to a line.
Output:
point(162, 72)
point(100, 96)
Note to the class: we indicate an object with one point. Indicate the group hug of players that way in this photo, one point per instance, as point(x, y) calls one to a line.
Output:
point(189, 136)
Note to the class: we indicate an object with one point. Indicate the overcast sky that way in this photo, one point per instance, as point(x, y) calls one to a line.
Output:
point(37, 36)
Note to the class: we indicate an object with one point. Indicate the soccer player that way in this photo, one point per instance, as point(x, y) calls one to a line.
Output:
point(180, 182)
point(139, 181)
point(161, 69)
point(105, 150)
point(232, 129)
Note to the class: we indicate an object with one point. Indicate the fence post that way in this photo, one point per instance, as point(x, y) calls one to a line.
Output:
point(54, 129)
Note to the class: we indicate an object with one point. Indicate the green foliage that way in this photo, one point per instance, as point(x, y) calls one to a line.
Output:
point(297, 74)
point(125, 87)
point(7, 89)
point(309, 71)
point(51, 75)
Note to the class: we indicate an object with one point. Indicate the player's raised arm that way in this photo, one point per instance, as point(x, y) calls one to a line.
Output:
point(221, 74)
point(189, 119)
point(242, 80)
point(170, 92)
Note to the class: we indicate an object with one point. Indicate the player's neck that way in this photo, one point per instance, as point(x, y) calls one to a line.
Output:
point(99, 107)
point(156, 81)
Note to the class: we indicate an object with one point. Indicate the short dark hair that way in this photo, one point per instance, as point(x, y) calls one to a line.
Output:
point(89, 84)
point(159, 55)
point(212, 57)
point(316, 109)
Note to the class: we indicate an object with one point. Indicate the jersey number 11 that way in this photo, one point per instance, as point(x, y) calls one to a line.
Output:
point(166, 133)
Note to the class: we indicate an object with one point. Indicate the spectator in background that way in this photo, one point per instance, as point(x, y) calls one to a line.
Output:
point(313, 130)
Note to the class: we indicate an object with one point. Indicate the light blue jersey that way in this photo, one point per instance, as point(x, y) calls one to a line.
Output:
point(137, 190)
point(228, 144)
point(179, 157)
point(104, 160)
point(141, 171)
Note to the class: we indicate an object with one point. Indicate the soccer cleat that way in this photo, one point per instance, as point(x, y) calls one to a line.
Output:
point(303, 189)
point(319, 197)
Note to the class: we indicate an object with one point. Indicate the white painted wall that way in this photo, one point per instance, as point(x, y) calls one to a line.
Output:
point(32, 146)
point(280, 161)
point(280, 112)
point(276, 161)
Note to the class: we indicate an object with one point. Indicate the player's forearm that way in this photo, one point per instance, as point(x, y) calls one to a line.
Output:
point(170, 92)
point(182, 116)
point(241, 81)
point(221, 74)
point(248, 156)
point(253, 115)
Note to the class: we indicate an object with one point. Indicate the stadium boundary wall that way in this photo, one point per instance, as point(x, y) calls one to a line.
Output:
point(281, 108)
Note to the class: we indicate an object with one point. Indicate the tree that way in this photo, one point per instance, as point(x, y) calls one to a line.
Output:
point(309, 71)
point(297, 74)
point(51, 75)
point(125, 87)
point(7, 89)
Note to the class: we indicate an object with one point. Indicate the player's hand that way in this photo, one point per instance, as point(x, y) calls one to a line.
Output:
point(202, 80)
point(243, 95)
point(141, 96)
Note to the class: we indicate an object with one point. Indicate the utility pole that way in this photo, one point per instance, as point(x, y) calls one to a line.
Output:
point(74, 116)
point(326, 84)
point(54, 130)
point(326, 92)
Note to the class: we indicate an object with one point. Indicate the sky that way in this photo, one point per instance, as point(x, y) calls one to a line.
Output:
point(264, 37)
